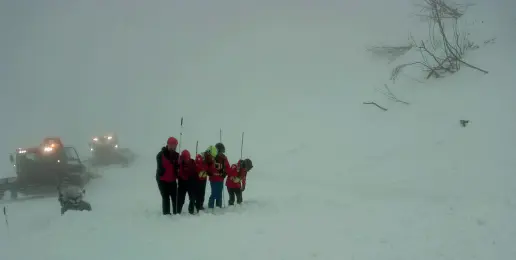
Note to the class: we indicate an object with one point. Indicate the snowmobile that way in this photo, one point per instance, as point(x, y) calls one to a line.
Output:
point(105, 151)
point(40, 169)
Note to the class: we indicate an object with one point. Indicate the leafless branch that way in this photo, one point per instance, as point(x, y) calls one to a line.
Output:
point(445, 10)
point(391, 95)
point(373, 103)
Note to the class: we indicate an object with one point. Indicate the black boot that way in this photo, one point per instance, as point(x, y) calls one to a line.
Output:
point(191, 208)
point(231, 200)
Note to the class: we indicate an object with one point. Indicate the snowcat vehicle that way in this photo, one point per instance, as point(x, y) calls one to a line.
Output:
point(43, 168)
point(105, 151)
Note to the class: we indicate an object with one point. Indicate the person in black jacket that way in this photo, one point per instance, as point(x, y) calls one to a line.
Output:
point(166, 175)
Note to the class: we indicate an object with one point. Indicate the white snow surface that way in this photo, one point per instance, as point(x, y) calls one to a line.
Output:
point(333, 178)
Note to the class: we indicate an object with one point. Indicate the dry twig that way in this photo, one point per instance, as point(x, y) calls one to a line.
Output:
point(374, 103)
point(392, 97)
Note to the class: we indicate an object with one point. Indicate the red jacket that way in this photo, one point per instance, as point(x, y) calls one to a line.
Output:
point(187, 169)
point(167, 165)
point(204, 168)
point(236, 177)
point(222, 165)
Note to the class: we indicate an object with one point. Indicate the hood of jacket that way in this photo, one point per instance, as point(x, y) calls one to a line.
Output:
point(185, 156)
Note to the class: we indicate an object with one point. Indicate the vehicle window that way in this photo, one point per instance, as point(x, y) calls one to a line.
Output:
point(27, 156)
point(71, 155)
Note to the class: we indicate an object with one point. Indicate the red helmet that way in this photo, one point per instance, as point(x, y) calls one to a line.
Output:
point(172, 141)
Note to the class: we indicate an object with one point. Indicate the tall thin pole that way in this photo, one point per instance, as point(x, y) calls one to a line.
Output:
point(242, 147)
point(179, 151)
point(180, 135)
point(6, 219)
point(223, 201)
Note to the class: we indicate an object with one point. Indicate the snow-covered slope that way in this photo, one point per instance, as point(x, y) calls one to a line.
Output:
point(333, 178)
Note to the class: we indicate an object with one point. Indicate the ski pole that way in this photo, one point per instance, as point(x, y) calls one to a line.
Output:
point(180, 135)
point(242, 147)
point(223, 201)
point(196, 148)
point(179, 150)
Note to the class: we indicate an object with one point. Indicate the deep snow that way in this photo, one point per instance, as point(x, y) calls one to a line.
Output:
point(333, 178)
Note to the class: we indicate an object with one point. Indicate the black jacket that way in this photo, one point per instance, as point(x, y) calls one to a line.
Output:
point(172, 156)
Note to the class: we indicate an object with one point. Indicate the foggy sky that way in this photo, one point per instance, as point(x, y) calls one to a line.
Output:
point(81, 68)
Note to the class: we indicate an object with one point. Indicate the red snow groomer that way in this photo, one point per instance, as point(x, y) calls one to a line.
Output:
point(46, 166)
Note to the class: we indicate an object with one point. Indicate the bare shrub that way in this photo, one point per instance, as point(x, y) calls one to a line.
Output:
point(446, 10)
point(441, 54)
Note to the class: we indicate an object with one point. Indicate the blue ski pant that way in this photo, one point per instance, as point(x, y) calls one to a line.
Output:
point(217, 188)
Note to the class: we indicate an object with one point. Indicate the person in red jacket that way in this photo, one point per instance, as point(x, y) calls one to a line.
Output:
point(217, 180)
point(205, 166)
point(237, 179)
point(167, 168)
point(187, 182)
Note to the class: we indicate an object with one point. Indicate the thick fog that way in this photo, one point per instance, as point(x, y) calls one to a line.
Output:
point(75, 69)
point(407, 182)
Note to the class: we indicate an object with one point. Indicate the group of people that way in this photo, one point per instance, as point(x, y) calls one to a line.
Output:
point(179, 174)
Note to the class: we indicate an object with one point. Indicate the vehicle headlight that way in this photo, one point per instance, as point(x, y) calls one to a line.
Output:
point(48, 149)
point(116, 145)
point(22, 151)
point(95, 139)
point(109, 137)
